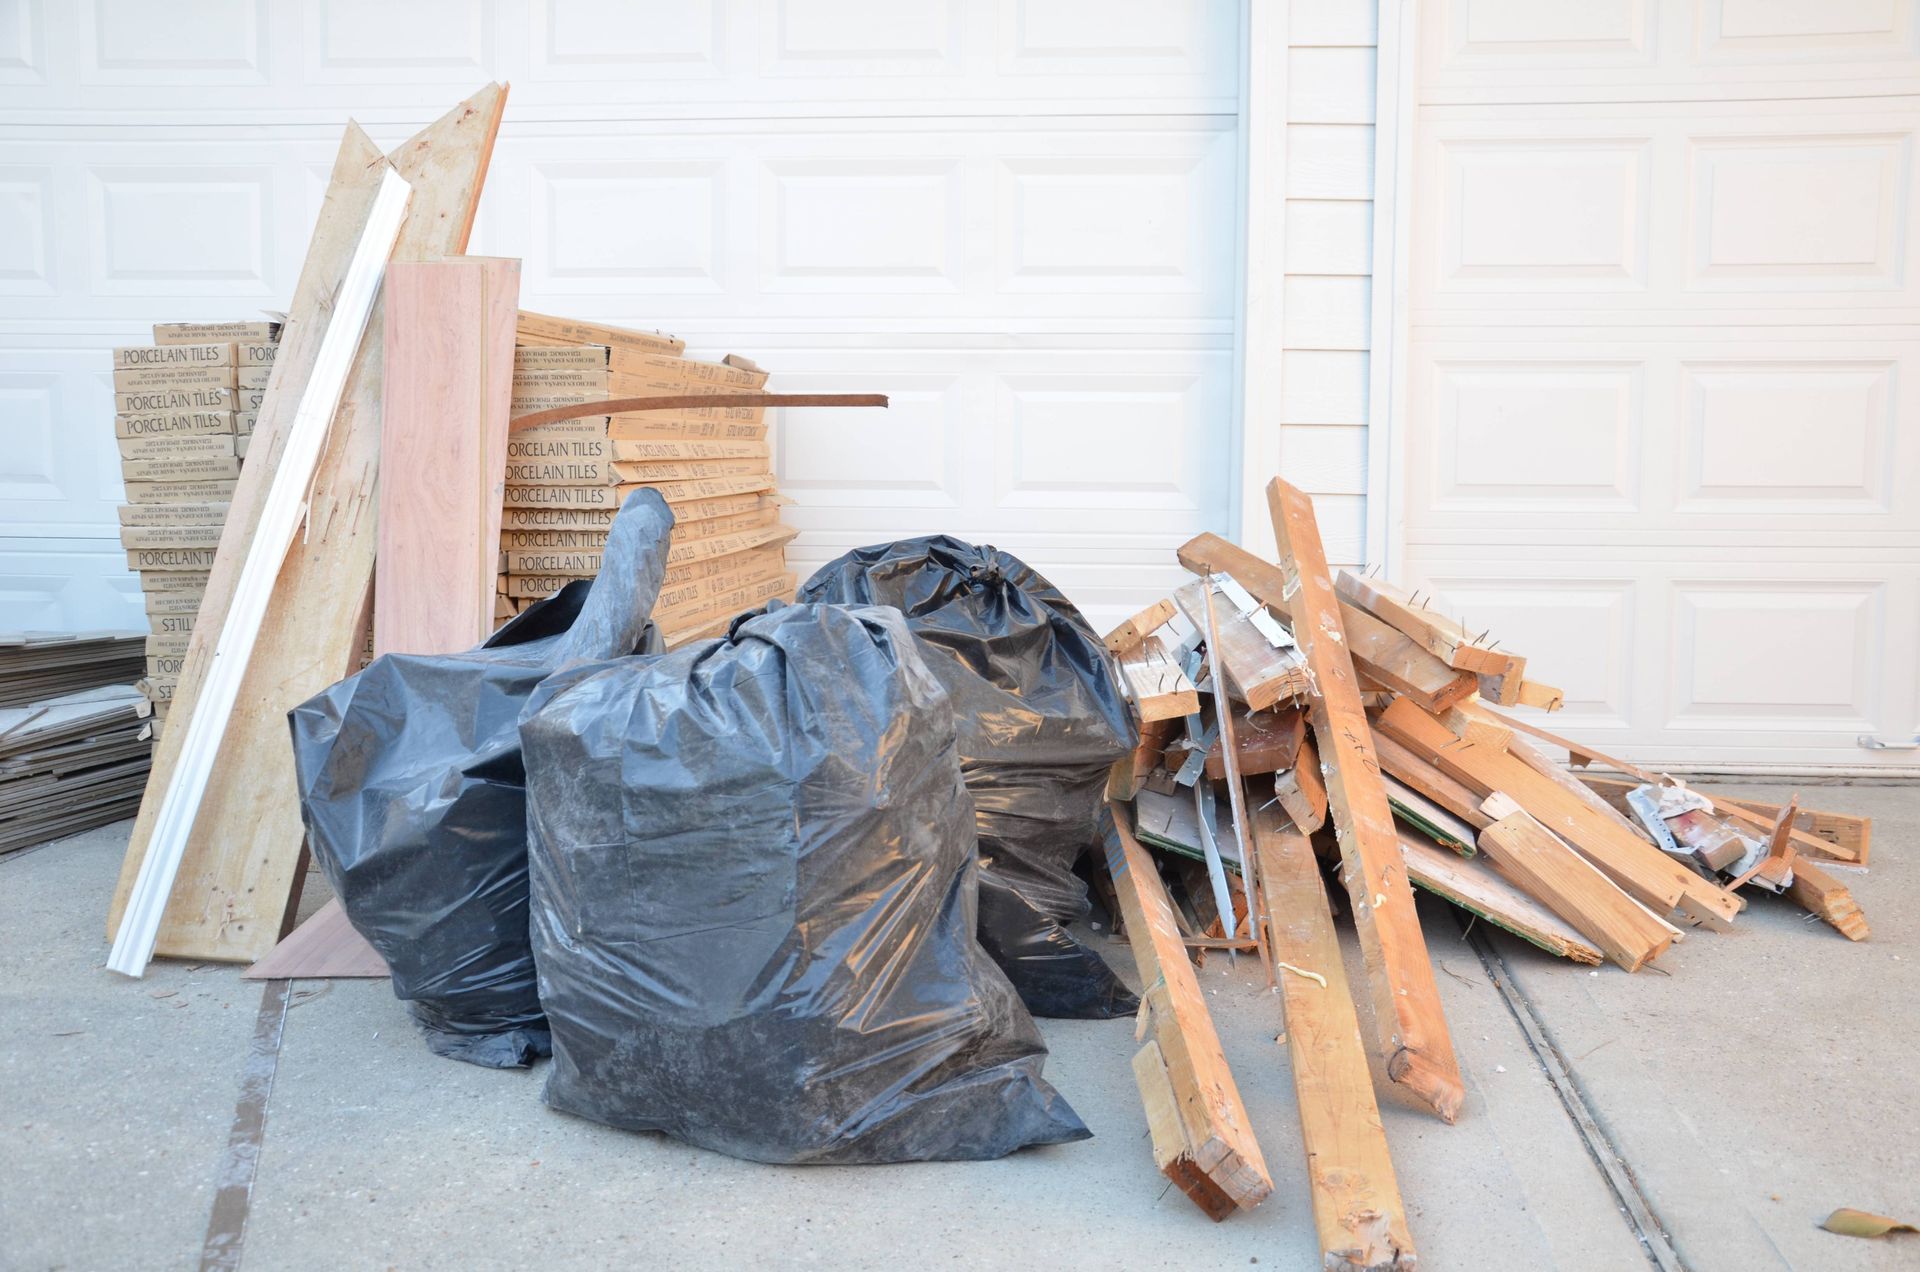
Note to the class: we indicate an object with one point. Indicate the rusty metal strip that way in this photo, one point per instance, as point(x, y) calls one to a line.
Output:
point(240, 1163)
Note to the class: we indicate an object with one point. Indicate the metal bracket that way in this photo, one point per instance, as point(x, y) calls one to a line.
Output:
point(1872, 743)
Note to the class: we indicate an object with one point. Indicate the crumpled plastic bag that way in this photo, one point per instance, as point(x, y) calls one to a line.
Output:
point(414, 799)
point(1041, 720)
point(753, 903)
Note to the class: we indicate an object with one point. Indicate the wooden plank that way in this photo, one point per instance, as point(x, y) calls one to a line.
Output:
point(1817, 892)
point(1846, 834)
point(1541, 697)
point(1474, 887)
point(1140, 626)
point(1648, 874)
point(1383, 655)
point(1301, 790)
point(443, 447)
point(1159, 688)
point(1849, 838)
point(324, 947)
point(1357, 1212)
point(1259, 674)
point(1427, 817)
point(1211, 1153)
point(1266, 741)
point(1439, 635)
point(1537, 760)
point(1428, 780)
point(687, 401)
point(1407, 1011)
point(1551, 872)
point(240, 868)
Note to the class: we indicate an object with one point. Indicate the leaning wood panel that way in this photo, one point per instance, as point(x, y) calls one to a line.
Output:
point(1407, 1012)
point(1356, 1199)
point(230, 900)
point(443, 451)
point(1211, 1153)
point(357, 173)
point(1382, 654)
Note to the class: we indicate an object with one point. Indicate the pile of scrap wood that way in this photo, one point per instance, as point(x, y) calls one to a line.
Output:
point(1290, 715)
point(35, 666)
point(71, 763)
point(383, 434)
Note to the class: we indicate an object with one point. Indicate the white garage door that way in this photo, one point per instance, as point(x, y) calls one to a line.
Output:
point(1662, 373)
point(1015, 216)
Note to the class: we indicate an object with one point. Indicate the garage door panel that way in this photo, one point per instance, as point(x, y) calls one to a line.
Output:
point(1679, 656)
point(1522, 214)
point(1669, 208)
point(1798, 31)
point(56, 479)
point(1103, 223)
point(53, 585)
point(1790, 437)
point(1606, 50)
point(1511, 436)
point(26, 231)
point(1802, 213)
point(1778, 654)
point(1689, 433)
point(693, 58)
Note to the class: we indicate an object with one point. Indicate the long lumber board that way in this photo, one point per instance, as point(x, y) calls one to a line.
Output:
point(1547, 868)
point(1382, 654)
point(1407, 1013)
point(1654, 879)
point(231, 897)
point(1357, 1211)
point(1472, 885)
point(1436, 633)
point(448, 382)
point(1202, 1139)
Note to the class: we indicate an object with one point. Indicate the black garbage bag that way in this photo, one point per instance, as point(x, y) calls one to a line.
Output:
point(1041, 720)
point(753, 903)
point(414, 797)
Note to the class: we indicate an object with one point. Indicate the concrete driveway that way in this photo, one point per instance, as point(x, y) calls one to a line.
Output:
point(1751, 1084)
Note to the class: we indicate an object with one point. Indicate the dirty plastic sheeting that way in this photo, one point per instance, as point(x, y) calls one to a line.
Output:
point(754, 903)
point(414, 797)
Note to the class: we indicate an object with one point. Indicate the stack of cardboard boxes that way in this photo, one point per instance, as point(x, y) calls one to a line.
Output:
point(711, 463)
point(184, 409)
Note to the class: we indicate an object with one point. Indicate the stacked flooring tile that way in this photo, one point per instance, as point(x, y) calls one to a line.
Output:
point(565, 479)
point(184, 408)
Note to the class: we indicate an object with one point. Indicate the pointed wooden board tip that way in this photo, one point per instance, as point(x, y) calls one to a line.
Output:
point(1435, 1083)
